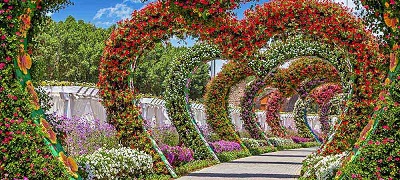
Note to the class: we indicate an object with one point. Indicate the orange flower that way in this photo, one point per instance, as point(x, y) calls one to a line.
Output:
point(24, 60)
point(69, 163)
point(395, 47)
point(35, 98)
point(393, 62)
point(391, 22)
point(366, 130)
point(48, 130)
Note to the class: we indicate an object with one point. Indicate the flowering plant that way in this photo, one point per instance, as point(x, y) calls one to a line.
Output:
point(177, 155)
point(224, 146)
point(321, 167)
point(280, 141)
point(273, 106)
point(177, 97)
point(297, 139)
point(216, 99)
point(117, 163)
point(247, 109)
point(81, 136)
point(27, 140)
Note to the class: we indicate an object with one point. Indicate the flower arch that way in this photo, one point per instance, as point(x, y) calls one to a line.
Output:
point(216, 99)
point(344, 31)
point(177, 97)
point(324, 21)
point(323, 95)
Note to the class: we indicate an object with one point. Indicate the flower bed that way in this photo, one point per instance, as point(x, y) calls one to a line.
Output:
point(193, 166)
point(177, 155)
point(319, 167)
point(225, 146)
point(232, 155)
point(297, 139)
point(282, 143)
point(81, 136)
point(117, 163)
point(257, 147)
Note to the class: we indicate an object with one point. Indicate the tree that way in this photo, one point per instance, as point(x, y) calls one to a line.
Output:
point(69, 51)
point(150, 75)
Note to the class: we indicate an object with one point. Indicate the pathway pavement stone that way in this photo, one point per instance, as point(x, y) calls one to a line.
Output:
point(276, 165)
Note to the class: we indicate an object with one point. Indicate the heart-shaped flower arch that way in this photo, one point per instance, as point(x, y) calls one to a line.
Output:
point(324, 21)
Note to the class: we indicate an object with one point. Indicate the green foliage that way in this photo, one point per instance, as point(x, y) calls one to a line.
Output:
point(257, 147)
point(156, 177)
point(168, 136)
point(262, 150)
point(289, 146)
point(68, 51)
point(151, 73)
point(232, 155)
point(310, 144)
point(193, 166)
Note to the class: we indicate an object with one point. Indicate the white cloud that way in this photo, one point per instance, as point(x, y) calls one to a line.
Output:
point(104, 24)
point(348, 3)
point(49, 14)
point(121, 11)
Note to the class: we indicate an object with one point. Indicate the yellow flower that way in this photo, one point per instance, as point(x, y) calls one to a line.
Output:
point(24, 60)
point(386, 4)
point(393, 61)
point(48, 131)
point(69, 163)
point(35, 98)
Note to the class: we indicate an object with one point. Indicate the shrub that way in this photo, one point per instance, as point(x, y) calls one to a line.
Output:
point(166, 135)
point(262, 150)
point(310, 144)
point(297, 139)
point(224, 146)
point(250, 143)
point(117, 163)
point(280, 141)
point(193, 166)
point(257, 147)
point(232, 155)
point(321, 168)
point(177, 155)
point(81, 136)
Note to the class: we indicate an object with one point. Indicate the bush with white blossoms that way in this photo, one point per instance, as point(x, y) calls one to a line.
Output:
point(322, 168)
point(280, 141)
point(117, 163)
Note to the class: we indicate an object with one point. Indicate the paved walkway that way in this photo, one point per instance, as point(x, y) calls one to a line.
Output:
point(276, 165)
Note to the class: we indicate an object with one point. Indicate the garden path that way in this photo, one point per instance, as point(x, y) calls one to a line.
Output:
point(276, 165)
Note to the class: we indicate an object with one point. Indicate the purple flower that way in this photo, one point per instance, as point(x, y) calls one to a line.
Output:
point(301, 139)
point(177, 155)
point(81, 136)
point(224, 146)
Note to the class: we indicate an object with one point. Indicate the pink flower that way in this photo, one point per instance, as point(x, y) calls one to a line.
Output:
point(386, 127)
point(353, 176)
point(5, 1)
point(8, 58)
point(2, 65)
point(3, 37)
point(392, 2)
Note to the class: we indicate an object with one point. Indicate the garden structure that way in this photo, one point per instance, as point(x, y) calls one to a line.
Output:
point(367, 68)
